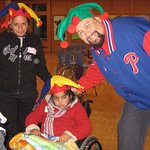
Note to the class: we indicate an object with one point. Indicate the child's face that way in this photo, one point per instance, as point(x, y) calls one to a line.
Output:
point(61, 99)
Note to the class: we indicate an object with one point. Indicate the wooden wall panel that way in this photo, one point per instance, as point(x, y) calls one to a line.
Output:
point(61, 7)
point(2, 19)
point(141, 7)
point(106, 5)
point(121, 7)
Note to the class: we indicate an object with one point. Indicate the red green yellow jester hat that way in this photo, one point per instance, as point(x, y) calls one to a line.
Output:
point(75, 15)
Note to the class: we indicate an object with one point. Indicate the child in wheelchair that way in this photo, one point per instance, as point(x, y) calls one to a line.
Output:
point(61, 113)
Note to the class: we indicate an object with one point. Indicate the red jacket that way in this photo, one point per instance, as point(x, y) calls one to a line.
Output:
point(75, 120)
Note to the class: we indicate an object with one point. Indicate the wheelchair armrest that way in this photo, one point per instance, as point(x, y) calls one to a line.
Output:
point(86, 105)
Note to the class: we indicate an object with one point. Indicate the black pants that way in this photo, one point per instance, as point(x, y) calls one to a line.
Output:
point(15, 109)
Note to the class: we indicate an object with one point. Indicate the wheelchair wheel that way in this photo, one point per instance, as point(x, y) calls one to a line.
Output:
point(91, 143)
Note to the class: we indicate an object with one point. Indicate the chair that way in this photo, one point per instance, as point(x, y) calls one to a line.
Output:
point(70, 62)
point(66, 70)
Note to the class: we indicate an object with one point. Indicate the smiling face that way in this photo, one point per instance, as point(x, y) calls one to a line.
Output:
point(91, 31)
point(61, 99)
point(19, 25)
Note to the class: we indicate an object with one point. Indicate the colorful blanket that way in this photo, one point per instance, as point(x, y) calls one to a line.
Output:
point(33, 142)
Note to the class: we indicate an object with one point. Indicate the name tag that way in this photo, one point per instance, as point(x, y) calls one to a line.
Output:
point(31, 50)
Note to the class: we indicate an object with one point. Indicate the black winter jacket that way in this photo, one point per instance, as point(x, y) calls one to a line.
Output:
point(20, 62)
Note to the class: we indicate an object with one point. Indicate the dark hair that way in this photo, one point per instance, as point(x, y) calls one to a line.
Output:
point(69, 93)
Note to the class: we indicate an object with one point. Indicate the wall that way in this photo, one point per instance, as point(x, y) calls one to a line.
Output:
point(2, 4)
point(61, 8)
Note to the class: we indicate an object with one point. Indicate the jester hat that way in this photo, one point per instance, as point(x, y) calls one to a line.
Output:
point(14, 9)
point(75, 15)
point(61, 83)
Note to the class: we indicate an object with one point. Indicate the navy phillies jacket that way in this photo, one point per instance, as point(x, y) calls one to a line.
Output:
point(124, 60)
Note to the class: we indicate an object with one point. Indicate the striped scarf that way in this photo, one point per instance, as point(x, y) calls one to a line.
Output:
point(48, 125)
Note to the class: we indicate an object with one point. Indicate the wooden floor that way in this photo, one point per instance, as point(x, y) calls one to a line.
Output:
point(106, 108)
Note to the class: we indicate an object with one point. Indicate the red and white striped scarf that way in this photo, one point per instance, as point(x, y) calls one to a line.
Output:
point(52, 113)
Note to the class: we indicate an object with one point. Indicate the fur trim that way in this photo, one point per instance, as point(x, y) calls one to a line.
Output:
point(31, 127)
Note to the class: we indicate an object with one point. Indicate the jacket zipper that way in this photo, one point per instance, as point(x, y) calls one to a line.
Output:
point(19, 63)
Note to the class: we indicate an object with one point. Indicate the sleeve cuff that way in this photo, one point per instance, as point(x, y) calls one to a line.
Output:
point(72, 136)
point(31, 127)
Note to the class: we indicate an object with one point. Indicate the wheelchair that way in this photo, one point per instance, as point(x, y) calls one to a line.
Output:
point(91, 142)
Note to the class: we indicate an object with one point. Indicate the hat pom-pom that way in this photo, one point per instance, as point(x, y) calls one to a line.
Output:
point(104, 16)
point(64, 44)
point(40, 23)
point(71, 28)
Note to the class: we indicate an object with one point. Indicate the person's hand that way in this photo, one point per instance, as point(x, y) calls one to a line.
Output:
point(76, 91)
point(64, 137)
point(35, 132)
